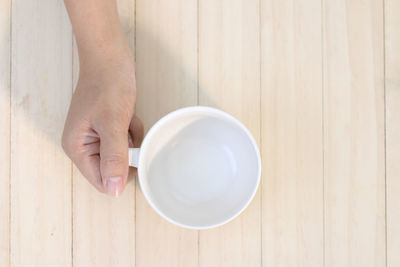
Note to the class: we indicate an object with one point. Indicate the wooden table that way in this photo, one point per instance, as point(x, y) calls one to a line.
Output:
point(316, 82)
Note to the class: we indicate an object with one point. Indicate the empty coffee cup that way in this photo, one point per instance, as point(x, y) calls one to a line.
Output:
point(198, 167)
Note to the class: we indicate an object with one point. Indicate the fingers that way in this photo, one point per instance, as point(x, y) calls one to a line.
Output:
point(113, 159)
point(102, 155)
point(137, 131)
point(89, 166)
point(86, 159)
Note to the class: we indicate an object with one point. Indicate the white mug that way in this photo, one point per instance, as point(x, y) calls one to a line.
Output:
point(198, 167)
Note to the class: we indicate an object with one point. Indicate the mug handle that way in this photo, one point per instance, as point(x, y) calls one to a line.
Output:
point(134, 157)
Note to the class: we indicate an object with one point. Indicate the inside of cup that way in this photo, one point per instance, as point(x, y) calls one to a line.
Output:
point(199, 169)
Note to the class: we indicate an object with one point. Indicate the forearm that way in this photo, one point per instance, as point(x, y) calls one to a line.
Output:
point(98, 31)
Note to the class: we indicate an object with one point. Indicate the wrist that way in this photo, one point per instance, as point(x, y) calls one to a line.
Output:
point(113, 73)
point(104, 54)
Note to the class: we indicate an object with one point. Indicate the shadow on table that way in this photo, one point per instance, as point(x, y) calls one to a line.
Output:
point(42, 88)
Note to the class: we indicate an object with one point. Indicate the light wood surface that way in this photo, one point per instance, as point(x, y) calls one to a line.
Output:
point(5, 45)
point(392, 85)
point(317, 83)
point(40, 172)
point(292, 140)
point(354, 141)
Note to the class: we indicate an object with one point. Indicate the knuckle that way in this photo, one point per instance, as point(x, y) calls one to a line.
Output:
point(68, 144)
point(112, 131)
point(107, 116)
point(108, 122)
point(113, 117)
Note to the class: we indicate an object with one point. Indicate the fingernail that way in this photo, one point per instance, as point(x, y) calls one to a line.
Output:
point(114, 186)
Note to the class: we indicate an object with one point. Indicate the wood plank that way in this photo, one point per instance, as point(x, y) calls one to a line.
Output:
point(392, 86)
point(40, 171)
point(166, 61)
point(103, 226)
point(354, 133)
point(229, 79)
point(292, 196)
point(5, 23)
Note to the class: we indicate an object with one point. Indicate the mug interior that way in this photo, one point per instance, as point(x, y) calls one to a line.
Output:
point(199, 167)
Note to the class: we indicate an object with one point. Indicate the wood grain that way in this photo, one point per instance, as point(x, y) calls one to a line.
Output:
point(5, 26)
point(229, 79)
point(292, 196)
point(40, 171)
point(354, 133)
point(392, 86)
point(166, 73)
point(103, 226)
point(310, 80)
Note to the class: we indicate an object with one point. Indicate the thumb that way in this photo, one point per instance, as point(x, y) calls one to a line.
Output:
point(114, 160)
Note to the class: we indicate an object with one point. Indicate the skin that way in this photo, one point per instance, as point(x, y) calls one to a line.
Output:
point(100, 124)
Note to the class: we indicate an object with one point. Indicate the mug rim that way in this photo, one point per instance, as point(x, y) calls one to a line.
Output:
point(201, 109)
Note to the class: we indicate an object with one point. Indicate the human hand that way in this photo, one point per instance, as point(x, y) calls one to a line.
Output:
point(100, 119)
